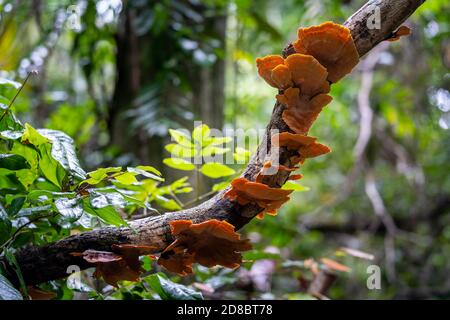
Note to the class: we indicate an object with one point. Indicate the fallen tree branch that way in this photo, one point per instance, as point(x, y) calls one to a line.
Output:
point(40, 264)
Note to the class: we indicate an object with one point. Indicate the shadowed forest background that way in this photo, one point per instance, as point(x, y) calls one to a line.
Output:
point(135, 69)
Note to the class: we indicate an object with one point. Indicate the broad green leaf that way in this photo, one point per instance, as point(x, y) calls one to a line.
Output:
point(108, 214)
point(11, 258)
point(178, 163)
point(50, 167)
point(8, 122)
point(5, 225)
point(26, 177)
point(35, 194)
point(150, 169)
point(15, 84)
point(98, 175)
point(103, 199)
point(28, 152)
point(216, 170)
point(63, 151)
point(70, 209)
point(126, 178)
point(181, 137)
point(13, 162)
point(169, 290)
point(180, 183)
point(177, 150)
point(7, 290)
point(201, 133)
point(145, 173)
point(11, 134)
point(291, 185)
point(15, 206)
point(34, 211)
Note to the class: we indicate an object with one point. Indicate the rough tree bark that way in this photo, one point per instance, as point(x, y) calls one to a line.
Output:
point(40, 264)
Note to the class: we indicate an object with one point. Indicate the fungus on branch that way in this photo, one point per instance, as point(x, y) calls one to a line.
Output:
point(301, 111)
point(122, 264)
point(270, 199)
point(209, 243)
point(332, 45)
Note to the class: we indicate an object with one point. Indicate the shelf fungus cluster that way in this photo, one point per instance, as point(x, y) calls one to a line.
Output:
point(121, 263)
point(209, 243)
point(324, 54)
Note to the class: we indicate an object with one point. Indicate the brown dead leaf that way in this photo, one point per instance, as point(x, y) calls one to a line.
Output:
point(333, 265)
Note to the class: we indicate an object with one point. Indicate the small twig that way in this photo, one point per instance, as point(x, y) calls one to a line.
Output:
point(17, 94)
point(203, 196)
point(177, 200)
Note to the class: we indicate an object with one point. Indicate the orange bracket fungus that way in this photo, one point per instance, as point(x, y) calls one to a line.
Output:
point(122, 264)
point(325, 54)
point(270, 199)
point(402, 31)
point(332, 45)
point(306, 146)
point(270, 169)
point(301, 112)
point(209, 243)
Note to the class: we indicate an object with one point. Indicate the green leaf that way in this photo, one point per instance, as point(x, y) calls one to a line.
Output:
point(70, 209)
point(108, 214)
point(13, 162)
point(8, 120)
point(126, 178)
point(181, 137)
point(11, 258)
point(169, 290)
point(50, 167)
point(11, 134)
point(201, 133)
point(15, 84)
point(216, 170)
point(63, 151)
point(291, 185)
point(150, 169)
point(145, 173)
point(15, 206)
point(177, 150)
point(5, 225)
point(168, 204)
point(29, 153)
point(26, 177)
point(7, 291)
point(178, 163)
point(103, 199)
point(98, 175)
